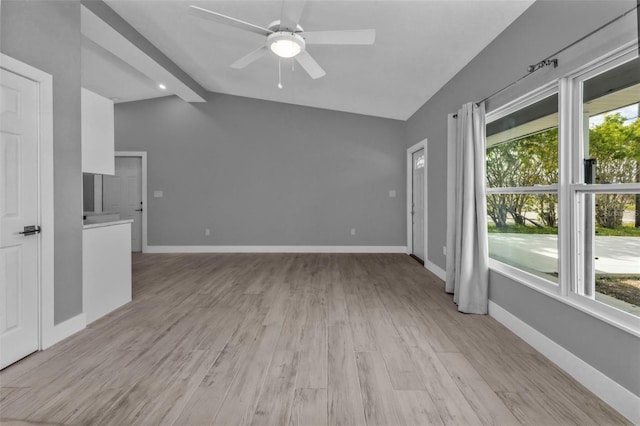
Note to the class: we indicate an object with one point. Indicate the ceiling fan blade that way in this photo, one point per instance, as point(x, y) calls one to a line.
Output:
point(291, 13)
point(340, 37)
point(251, 57)
point(310, 65)
point(227, 20)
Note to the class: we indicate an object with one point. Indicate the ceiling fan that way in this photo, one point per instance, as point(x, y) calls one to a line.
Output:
point(286, 38)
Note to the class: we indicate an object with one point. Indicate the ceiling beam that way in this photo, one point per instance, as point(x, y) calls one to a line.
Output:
point(105, 27)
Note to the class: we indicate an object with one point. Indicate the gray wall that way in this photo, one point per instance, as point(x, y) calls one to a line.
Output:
point(612, 351)
point(265, 173)
point(543, 29)
point(46, 35)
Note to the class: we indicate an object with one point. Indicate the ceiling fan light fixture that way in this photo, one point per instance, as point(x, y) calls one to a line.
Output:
point(285, 44)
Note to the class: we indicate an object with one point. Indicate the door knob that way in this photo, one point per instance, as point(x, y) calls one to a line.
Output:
point(138, 210)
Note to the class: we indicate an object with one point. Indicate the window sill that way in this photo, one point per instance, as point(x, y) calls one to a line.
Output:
point(624, 321)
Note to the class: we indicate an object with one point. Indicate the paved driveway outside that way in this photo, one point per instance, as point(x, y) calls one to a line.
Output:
point(616, 255)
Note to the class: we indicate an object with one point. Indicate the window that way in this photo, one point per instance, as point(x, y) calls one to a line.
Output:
point(522, 177)
point(607, 190)
point(563, 189)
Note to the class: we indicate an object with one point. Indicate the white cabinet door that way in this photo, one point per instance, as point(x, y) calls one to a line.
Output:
point(18, 208)
point(97, 134)
point(106, 269)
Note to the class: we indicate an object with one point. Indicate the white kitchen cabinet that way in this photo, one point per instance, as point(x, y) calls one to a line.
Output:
point(98, 153)
point(106, 267)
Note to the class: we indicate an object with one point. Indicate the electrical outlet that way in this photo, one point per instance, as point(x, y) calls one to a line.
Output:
point(158, 194)
point(353, 231)
point(207, 232)
point(444, 250)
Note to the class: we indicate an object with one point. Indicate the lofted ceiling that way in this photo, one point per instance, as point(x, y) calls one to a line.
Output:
point(106, 74)
point(420, 45)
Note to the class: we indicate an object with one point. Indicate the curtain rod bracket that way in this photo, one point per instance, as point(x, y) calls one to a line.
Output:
point(542, 64)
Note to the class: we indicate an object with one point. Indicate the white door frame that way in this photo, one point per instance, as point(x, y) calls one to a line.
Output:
point(145, 205)
point(48, 334)
point(417, 147)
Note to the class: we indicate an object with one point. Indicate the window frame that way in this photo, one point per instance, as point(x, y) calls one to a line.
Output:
point(577, 188)
point(522, 102)
point(569, 189)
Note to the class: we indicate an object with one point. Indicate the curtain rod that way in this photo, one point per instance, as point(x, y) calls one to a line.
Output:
point(548, 61)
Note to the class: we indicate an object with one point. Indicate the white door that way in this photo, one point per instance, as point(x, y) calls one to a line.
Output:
point(417, 206)
point(19, 264)
point(122, 193)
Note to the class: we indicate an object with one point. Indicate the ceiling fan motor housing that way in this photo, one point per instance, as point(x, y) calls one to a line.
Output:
point(275, 27)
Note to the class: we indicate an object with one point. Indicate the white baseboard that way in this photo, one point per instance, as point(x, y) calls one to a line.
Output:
point(436, 270)
point(276, 249)
point(620, 398)
point(63, 330)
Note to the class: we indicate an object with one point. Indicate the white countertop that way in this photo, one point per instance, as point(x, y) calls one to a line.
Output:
point(103, 224)
point(98, 213)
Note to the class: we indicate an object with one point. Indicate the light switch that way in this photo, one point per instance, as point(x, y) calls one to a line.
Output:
point(392, 193)
point(158, 194)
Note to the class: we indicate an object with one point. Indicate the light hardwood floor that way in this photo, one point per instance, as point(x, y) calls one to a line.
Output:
point(279, 339)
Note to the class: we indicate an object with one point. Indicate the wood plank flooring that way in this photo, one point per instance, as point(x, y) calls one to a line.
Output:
point(297, 339)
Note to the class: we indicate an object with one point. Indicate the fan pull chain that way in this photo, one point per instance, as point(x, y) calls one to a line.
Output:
point(279, 74)
point(293, 64)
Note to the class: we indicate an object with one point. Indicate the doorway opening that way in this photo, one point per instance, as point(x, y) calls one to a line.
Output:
point(417, 201)
point(125, 193)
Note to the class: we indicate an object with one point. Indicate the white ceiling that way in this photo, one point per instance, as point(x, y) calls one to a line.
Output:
point(419, 46)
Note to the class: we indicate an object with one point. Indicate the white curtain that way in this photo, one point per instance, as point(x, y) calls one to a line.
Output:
point(467, 270)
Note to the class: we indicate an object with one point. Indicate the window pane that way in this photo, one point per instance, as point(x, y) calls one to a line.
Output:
point(614, 241)
point(523, 232)
point(612, 127)
point(522, 148)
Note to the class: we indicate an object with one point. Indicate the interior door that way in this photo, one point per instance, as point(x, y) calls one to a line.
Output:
point(417, 210)
point(19, 265)
point(122, 193)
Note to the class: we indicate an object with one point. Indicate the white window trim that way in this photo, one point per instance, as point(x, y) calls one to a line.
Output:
point(523, 277)
point(591, 307)
point(539, 189)
point(570, 123)
point(565, 202)
point(607, 188)
point(524, 101)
